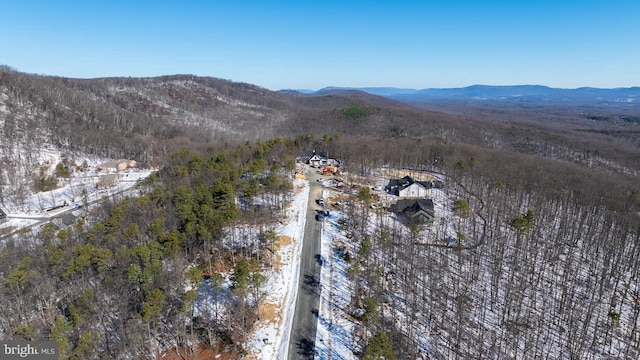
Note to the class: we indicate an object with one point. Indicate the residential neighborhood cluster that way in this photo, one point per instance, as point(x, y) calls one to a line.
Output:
point(414, 204)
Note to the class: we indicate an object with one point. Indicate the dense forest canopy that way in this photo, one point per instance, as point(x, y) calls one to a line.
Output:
point(134, 256)
point(548, 187)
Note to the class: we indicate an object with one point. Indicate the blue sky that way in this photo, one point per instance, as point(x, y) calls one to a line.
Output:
point(313, 44)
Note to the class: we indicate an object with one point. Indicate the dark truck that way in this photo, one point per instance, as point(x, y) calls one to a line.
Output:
point(321, 214)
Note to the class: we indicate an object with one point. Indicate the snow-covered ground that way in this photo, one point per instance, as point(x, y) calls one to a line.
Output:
point(270, 335)
point(335, 327)
point(270, 339)
point(337, 332)
point(73, 192)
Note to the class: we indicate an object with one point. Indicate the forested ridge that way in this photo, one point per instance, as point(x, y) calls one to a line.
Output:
point(150, 118)
point(548, 239)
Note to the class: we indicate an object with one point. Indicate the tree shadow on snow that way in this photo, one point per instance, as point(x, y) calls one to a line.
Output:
point(306, 348)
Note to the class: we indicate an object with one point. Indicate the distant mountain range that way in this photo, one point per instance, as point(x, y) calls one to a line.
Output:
point(520, 93)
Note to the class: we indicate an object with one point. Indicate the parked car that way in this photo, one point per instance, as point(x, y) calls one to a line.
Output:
point(320, 216)
point(321, 202)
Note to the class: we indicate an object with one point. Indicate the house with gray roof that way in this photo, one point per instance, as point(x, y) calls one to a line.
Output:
point(416, 211)
point(408, 187)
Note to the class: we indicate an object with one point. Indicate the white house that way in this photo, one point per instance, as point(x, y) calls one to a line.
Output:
point(415, 190)
point(407, 187)
point(317, 159)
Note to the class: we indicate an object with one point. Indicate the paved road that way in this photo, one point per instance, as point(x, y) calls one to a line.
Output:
point(305, 318)
point(46, 217)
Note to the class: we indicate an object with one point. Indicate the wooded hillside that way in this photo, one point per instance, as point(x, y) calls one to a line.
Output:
point(115, 285)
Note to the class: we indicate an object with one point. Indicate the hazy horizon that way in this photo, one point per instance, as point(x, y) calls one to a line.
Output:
point(292, 45)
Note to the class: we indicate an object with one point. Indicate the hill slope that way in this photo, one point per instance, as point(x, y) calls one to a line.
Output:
point(147, 119)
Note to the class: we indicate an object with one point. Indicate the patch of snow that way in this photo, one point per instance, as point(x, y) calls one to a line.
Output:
point(335, 327)
point(30, 208)
point(281, 287)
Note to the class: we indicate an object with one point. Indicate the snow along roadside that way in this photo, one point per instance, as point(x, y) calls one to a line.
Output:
point(270, 340)
point(292, 293)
